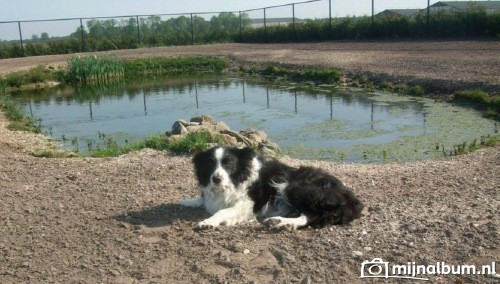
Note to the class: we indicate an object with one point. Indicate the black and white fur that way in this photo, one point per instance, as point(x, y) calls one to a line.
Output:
point(238, 186)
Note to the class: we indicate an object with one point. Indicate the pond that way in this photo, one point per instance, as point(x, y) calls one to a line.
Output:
point(306, 120)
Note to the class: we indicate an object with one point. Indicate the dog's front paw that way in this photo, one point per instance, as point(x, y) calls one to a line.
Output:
point(279, 223)
point(207, 224)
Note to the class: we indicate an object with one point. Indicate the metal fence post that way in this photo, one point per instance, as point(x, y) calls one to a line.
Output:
point(265, 26)
point(330, 14)
point(429, 18)
point(192, 30)
point(21, 37)
point(373, 13)
point(82, 35)
point(293, 22)
point(241, 25)
point(138, 29)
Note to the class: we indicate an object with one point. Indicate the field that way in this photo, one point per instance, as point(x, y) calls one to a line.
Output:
point(117, 220)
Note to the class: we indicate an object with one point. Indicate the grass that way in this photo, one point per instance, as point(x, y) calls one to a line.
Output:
point(317, 75)
point(111, 147)
point(177, 65)
point(465, 147)
point(192, 142)
point(481, 99)
point(91, 68)
point(98, 69)
point(38, 74)
point(18, 121)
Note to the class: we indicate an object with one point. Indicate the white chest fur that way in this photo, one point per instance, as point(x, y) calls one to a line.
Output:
point(218, 198)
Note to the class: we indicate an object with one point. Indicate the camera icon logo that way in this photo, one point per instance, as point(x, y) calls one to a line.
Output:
point(376, 268)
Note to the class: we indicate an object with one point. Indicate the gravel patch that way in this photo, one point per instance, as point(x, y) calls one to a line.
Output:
point(117, 220)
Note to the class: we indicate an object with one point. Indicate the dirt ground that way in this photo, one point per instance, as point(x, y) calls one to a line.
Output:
point(117, 220)
point(438, 65)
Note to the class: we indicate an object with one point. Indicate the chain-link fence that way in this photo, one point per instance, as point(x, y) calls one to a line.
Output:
point(298, 21)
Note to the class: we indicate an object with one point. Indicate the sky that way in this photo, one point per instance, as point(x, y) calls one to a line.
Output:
point(16, 10)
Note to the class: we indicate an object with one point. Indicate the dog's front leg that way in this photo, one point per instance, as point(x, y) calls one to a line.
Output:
point(198, 202)
point(239, 213)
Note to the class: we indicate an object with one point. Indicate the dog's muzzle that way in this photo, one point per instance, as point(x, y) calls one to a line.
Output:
point(216, 179)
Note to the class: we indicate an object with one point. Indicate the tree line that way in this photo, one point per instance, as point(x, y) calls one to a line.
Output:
point(112, 34)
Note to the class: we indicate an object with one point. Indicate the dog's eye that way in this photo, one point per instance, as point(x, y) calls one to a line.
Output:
point(227, 162)
point(210, 161)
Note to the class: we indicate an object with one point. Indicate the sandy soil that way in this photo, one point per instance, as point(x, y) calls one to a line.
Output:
point(438, 65)
point(117, 220)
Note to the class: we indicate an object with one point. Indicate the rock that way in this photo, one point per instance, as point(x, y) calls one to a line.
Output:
point(272, 146)
point(178, 128)
point(196, 128)
point(221, 126)
point(254, 137)
point(229, 140)
point(357, 254)
point(267, 152)
point(245, 138)
point(306, 280)
point(239, 137)
point(114, 272)
point(246, 251)
point(203, 120)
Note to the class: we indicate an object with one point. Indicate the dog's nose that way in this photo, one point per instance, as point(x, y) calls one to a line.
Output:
point(216, 179)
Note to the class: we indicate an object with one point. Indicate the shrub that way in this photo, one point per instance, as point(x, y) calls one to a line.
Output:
point(15, 79)
point(476, 96)
point(400, 88)
point(416, 91)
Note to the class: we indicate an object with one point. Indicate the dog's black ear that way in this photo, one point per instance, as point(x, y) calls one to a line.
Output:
point(246, 152)
point(202, 166)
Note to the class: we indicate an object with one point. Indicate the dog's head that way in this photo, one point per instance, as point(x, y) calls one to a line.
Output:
point(223, 167)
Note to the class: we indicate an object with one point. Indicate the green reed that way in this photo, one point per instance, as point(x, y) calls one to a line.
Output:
point(92, 68)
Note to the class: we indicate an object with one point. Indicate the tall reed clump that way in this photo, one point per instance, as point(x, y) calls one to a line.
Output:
point(92, 68)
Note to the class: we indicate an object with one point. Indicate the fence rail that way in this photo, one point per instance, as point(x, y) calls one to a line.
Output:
point(192, 18)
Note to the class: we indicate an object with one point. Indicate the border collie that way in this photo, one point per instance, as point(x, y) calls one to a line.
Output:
point(238, 186)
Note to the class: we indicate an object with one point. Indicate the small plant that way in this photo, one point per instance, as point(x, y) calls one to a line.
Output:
point(15, 79)
point(367, 83)
point(416, 91)
point(400, 88)
point(384, 85)
point(465, 147)
point(475, 96)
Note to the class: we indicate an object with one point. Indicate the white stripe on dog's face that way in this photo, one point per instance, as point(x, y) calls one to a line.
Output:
point(220, 177)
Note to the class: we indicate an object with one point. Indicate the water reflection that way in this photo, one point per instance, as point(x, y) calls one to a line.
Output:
point(321, 116)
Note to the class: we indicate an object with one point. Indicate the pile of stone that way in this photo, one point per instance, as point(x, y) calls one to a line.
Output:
point(206, 123)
